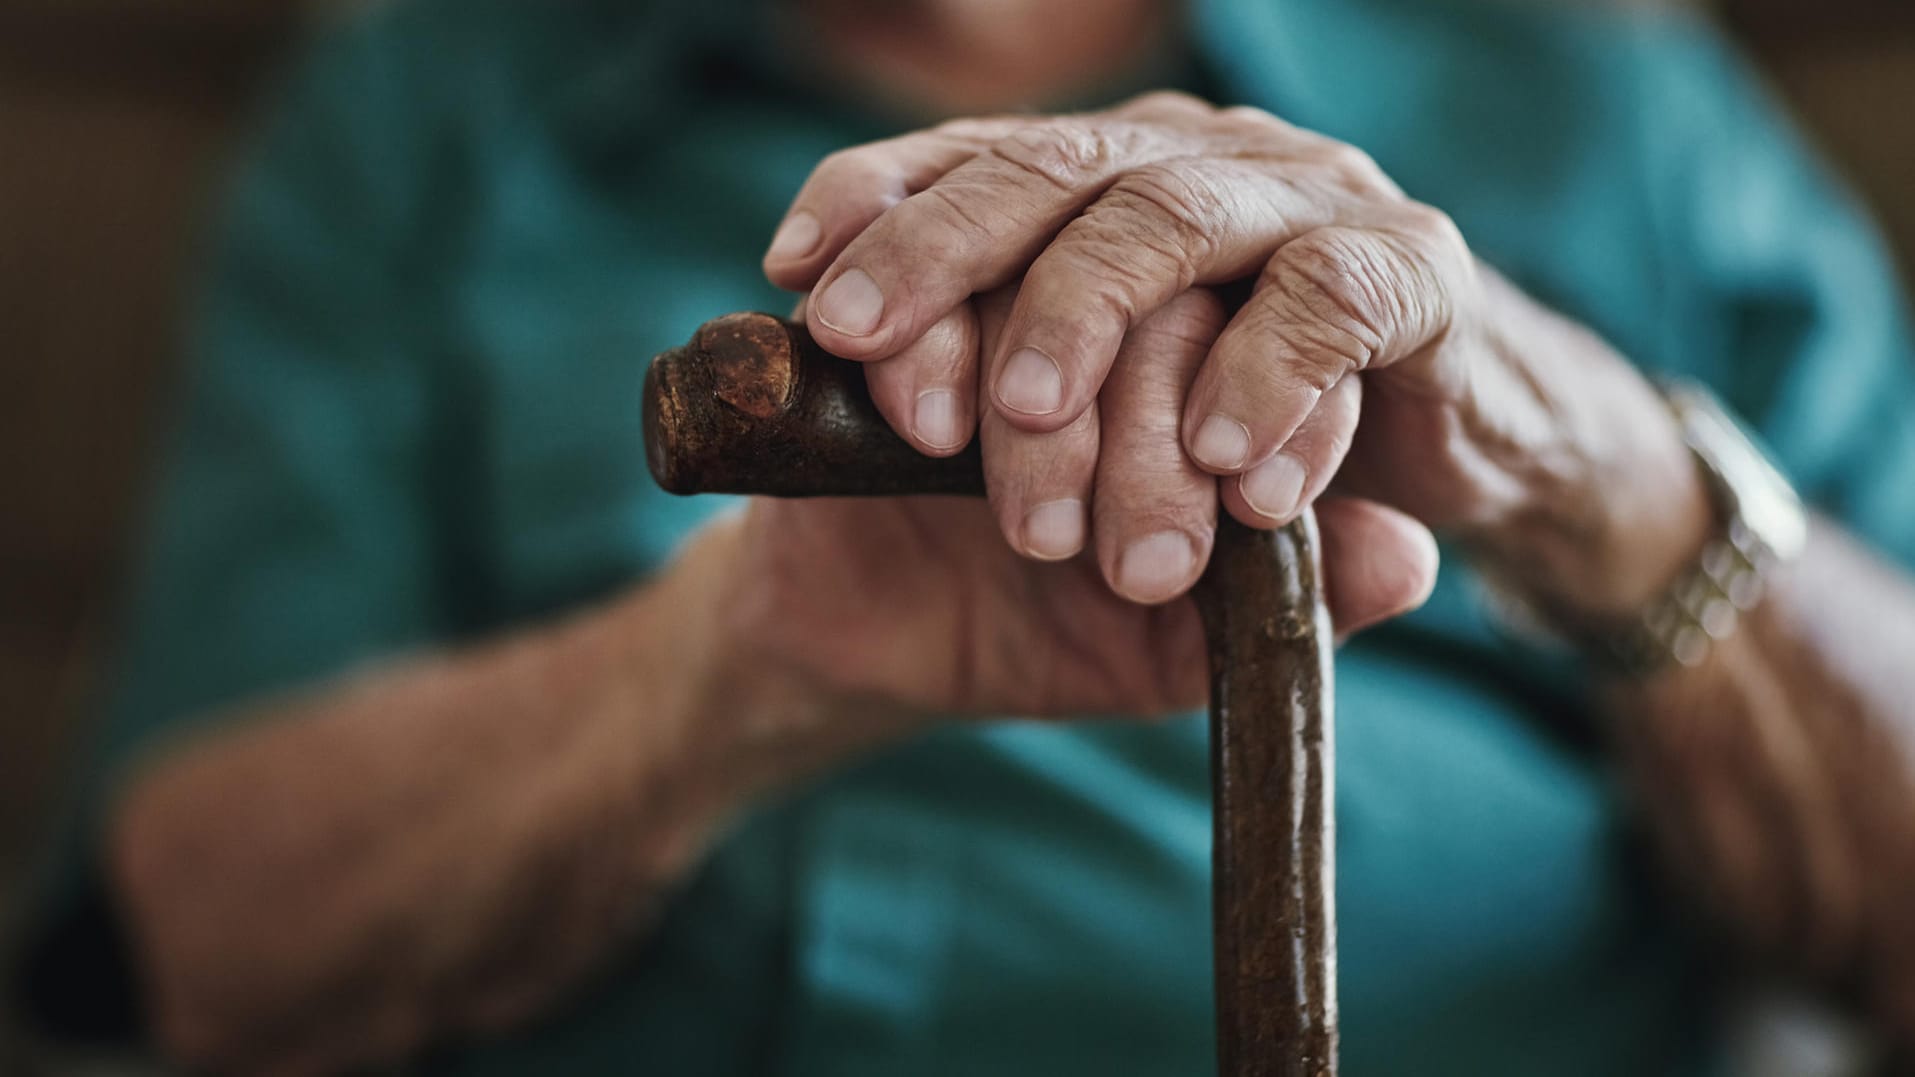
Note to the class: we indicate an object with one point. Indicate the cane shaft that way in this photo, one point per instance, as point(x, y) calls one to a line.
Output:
point(753, 406)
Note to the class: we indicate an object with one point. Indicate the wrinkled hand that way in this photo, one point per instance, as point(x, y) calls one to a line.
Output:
point(1363, 302)
point(918, 603)
point(1045, 284)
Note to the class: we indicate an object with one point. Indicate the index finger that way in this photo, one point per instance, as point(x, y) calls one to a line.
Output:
point(853, 187)
point(975, 229)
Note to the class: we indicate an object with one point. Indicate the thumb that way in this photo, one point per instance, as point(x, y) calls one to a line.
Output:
point(1378, 563)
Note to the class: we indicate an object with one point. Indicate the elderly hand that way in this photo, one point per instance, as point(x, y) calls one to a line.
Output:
point(1480, 411)
point(918, 605)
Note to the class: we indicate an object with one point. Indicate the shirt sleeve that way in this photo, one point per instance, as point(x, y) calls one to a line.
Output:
point(290, 530)
point(1782, 292)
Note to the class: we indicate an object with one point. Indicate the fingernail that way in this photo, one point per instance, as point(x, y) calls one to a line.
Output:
point(853, 304)
point(936, 421)
point(1031, 383)
point(1274, 487)
point(1221, 443)
point(1055, 529)
point(796, 237)
point(1153, 567)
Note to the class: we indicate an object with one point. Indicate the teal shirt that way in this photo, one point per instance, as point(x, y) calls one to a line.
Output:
point(413, 419)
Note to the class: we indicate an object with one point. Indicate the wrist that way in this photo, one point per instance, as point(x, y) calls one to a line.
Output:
point(753, 721)
point(1608, 548)
point(1623, 509)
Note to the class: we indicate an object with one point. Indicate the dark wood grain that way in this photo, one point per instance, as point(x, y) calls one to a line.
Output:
point(1272, 764)
point(752, 406)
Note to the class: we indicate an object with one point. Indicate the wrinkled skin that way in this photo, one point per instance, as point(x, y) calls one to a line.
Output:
point(1049, 285)
point(919, 602)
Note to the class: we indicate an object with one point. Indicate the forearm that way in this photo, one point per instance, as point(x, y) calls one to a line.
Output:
point(1779, 776)
point(1780, 773)
point(445, 844)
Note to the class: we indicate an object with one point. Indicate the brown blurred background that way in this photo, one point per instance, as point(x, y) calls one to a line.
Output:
point(115, 117)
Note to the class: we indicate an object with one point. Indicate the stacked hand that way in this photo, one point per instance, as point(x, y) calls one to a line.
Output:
point(1050, 286)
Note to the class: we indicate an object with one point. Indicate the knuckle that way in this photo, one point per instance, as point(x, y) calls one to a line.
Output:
point(1172, 206)
point(968, 129)
point(1257, 120)
point(1338, 281)
point(1433, 268)
point(1250, 114)
point(1431, 225)
point(1065, 154)
point(1170, 100)
point(1109, 268)
point(948, 214)
point(1333, 266)
point(1321, 353)
point(1352, 166)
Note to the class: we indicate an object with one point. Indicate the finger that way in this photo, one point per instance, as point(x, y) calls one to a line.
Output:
point(1040, 488)
point(1040, 485)
point(1377, 563)
point(1155, 514)
point(1157, 231)
point(928, 392)
point(1273, 492)
point(975, 229)
point(851, 188)
point(1336, 301)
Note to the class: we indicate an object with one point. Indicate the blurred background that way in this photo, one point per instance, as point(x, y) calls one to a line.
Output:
point(115, 119)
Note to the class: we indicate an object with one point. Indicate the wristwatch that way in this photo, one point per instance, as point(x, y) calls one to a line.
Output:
point(1763, 526)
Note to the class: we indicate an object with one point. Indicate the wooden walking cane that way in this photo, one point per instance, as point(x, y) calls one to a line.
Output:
point(752, 406)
